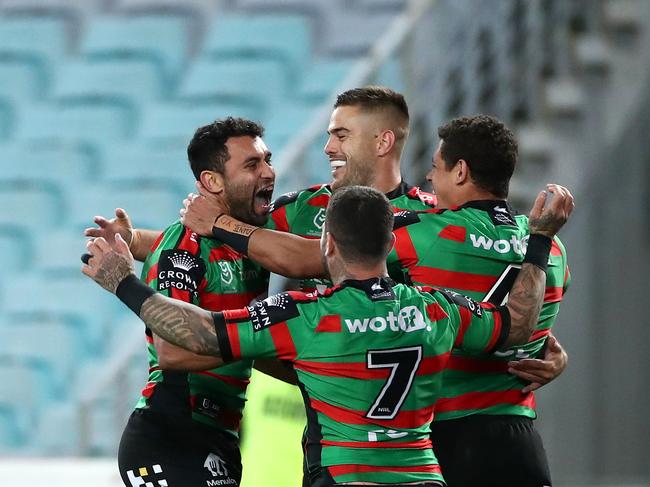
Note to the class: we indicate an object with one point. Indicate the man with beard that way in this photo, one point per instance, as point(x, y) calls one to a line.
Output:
point(473, 243)
point(184, 430)
point(368, 353)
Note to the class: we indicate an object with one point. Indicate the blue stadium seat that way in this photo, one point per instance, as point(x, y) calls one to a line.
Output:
point(257, 84)
point(285, 123)
point(44, 348)
point(161, 40)
point(153, 163)
point(175, 124)
point(126, 82)
point(77, 301)
point(48, 165)
point(91, 124)
point(29, 207)
point(150, 205)
point(286, 38)
point(58, 254)
point(20, 81)
point(18, 399)
point(41, 40)
point(15, 249)
point(322, 77)
point(46, 438)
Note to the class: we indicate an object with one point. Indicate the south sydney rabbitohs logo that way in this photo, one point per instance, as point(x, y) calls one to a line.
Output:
point(179, 269)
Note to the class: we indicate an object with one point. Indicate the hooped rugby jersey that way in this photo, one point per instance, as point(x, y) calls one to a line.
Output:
point(369, 356)
point(207, 273)
point(476, 250)
point(303, 213)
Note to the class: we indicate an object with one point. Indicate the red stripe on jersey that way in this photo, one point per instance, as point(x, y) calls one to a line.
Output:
point(470, 364)
point(404, 419)
point(336, 470)
point(228, 418)
point(231, 381)
point(555, 248)
point(553, 294)
point(321, 200)
point(147, 391)
point(279, 217)
point(496, 330)
point(329, 323)
point(483, 400)
point(189, 241)
point(419, 445)
point(405, 249)
point(152, 273)
point(224, 252)
point(284, 346)
point(149, 338)
point(539, 334)
point(220, 302)
point(465, 320)
point(457, 280)
point(236, 314)
point(180, 295)
point(435, 312)
point(156, 242)
point(426, 198)
point(454, 232)
point(359, 370)
point(233, 338)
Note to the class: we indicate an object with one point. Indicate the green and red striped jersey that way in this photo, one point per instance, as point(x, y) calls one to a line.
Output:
point(369, 356)
point(303, 213)
point(476, 250)
point(207, 273)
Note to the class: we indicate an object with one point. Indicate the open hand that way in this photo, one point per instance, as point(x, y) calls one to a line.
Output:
point(107, 229)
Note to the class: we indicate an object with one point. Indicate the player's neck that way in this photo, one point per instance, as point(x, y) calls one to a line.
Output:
point(473, 194)
point(387, 177)
point(358, 272)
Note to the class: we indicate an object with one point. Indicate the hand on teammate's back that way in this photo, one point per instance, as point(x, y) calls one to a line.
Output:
point(107, 229)
point(541, 371)
point(109, 263)
point(551, 210)
point(200, 211)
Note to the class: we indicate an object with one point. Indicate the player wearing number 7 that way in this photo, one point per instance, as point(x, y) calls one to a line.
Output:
point(368, 353)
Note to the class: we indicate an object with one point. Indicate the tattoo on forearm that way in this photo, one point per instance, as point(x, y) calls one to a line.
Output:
point(112, 270)
point(525, 302)
point(182, 324)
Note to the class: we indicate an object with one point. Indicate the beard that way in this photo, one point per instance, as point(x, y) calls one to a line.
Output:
point(242, 205)
point(356, 173)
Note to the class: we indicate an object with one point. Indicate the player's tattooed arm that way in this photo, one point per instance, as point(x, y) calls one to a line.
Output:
point(547, 217)
point(182, 324)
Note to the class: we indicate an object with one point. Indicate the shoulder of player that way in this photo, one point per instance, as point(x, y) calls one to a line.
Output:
point(311, 195)
point(415, 198)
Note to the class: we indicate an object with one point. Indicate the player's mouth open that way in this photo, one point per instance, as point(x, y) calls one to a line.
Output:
point(337, 166)
point(263, 199)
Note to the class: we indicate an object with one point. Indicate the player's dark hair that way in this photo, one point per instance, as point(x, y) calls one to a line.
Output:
point(488, 147)
point(207, 150)
point(361, 221)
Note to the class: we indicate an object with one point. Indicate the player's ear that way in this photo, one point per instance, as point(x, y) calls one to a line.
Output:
point(212, 181)
point(385, 142)
point(392, 241)
point(330, 244)
point(462, 172)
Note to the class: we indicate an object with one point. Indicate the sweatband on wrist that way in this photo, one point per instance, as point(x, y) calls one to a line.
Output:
point(539, 249)
point(133, 292)
point(233, 233)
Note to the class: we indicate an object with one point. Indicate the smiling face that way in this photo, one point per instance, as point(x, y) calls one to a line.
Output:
point(442, 180)
point(351, 147)
point(248, 179)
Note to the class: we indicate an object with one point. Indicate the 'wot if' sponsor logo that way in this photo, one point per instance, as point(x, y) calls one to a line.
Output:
point(407, 320)
point(518, 246)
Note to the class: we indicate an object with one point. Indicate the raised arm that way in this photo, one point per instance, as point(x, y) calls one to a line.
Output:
point(280, 252)
point(527, 294)
point(183, 324)
point(139, 240)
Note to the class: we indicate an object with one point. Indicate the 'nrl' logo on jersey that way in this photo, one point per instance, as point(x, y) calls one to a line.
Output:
point(407, 320)
point(516, 245)
point(226, 272)
point(319, 219)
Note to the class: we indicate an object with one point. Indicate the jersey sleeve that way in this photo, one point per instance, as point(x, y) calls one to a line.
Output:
point(267, 329)
point(481, 327)
point(282, 210)
point(175, 267)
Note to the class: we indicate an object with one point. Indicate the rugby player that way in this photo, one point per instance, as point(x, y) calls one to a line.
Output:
point(367, 352)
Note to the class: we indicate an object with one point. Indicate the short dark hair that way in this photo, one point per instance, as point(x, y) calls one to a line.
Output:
point(488, 147)
point(361, 221)
point(207, 150)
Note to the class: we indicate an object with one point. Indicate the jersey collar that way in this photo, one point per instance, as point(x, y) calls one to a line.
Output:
point(401, 190)
point(489, 205)
point(376, 288)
